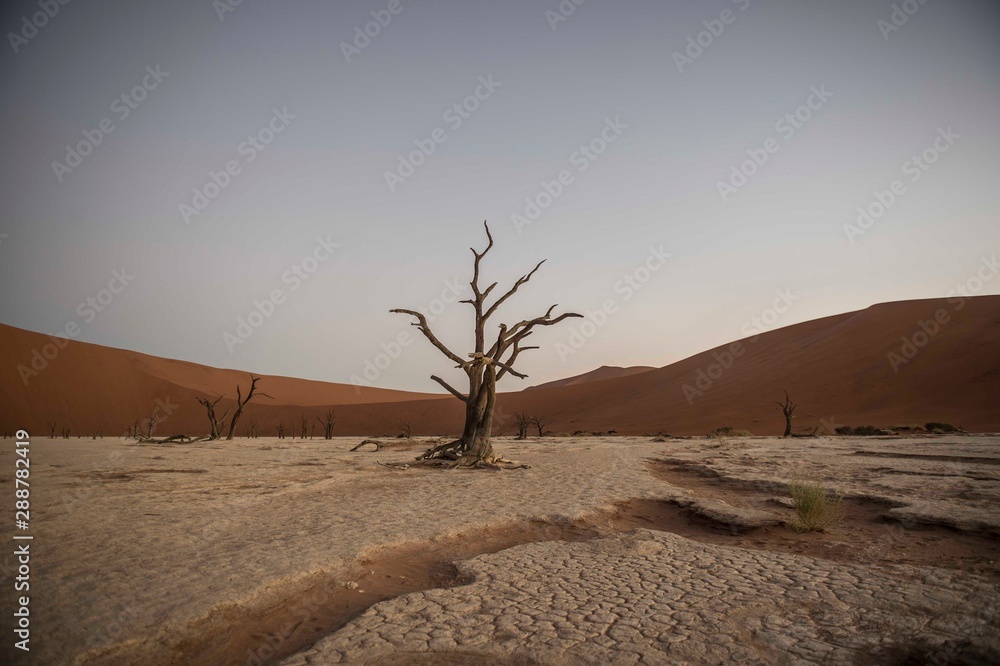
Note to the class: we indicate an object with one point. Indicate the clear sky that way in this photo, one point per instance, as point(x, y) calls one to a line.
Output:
point(628, 125)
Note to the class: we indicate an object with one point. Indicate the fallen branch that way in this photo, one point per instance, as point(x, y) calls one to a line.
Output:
point(173, 439)
point(393, 465)
point(378, 444)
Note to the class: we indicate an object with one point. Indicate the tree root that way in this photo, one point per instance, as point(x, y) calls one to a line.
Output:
point(448, 450)
point(451, 461)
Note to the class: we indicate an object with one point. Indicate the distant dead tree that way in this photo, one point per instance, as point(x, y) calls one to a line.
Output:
point(312, 430)
point(216, 423)
point(250, 431)
point(523, 421)
point(151, 421)
point(65, 433)
point(303, 427)
point(787, 408)
point(328, 422)
point(539, 422)
point(52, 429)
point(242, 402)
point(281, 431)
point(404, 430)
point(483, 368)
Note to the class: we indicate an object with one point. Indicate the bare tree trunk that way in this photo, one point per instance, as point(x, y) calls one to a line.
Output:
point(522, 421)
point(328, 424)
point(216, 432)
point(474, 449)
point(241, 403)
point(787, 408)
point(540, 424)
point(478, 448)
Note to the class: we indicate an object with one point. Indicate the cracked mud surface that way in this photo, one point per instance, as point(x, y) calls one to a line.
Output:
point(139, 560)
point(655, 597)
point(884, 587)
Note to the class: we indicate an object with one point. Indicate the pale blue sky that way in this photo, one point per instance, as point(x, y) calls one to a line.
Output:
point(323, 175)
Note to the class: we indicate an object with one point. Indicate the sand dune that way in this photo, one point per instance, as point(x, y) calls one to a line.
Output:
point(839, 369)
point(88, 386)
point(836, 368)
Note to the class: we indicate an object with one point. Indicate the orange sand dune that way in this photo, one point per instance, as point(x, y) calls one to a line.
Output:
point(839, 369)
point(88, 387)
point(836, 368)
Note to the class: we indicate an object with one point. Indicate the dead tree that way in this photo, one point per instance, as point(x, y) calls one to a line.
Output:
point(539, 422)
point(281, 431)
point(303, 427)
point(404, 430)
point(483, 367)
point(52, 429)
point(65, 433)
point(250, 431)
point(241, 403)
point(151, 421)
point(216, 423)
point(328, 423)
point(787, 408)
point(523, 421)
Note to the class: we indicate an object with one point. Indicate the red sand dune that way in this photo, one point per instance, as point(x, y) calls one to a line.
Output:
point(837, 368)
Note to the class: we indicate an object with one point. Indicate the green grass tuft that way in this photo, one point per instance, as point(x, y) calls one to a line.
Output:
point(816, 508)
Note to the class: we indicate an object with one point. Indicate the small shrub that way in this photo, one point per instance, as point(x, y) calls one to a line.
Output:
point(940, 428)
point(816, 509)
point(862, 431)
point(907, 429)
point(729, 431)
